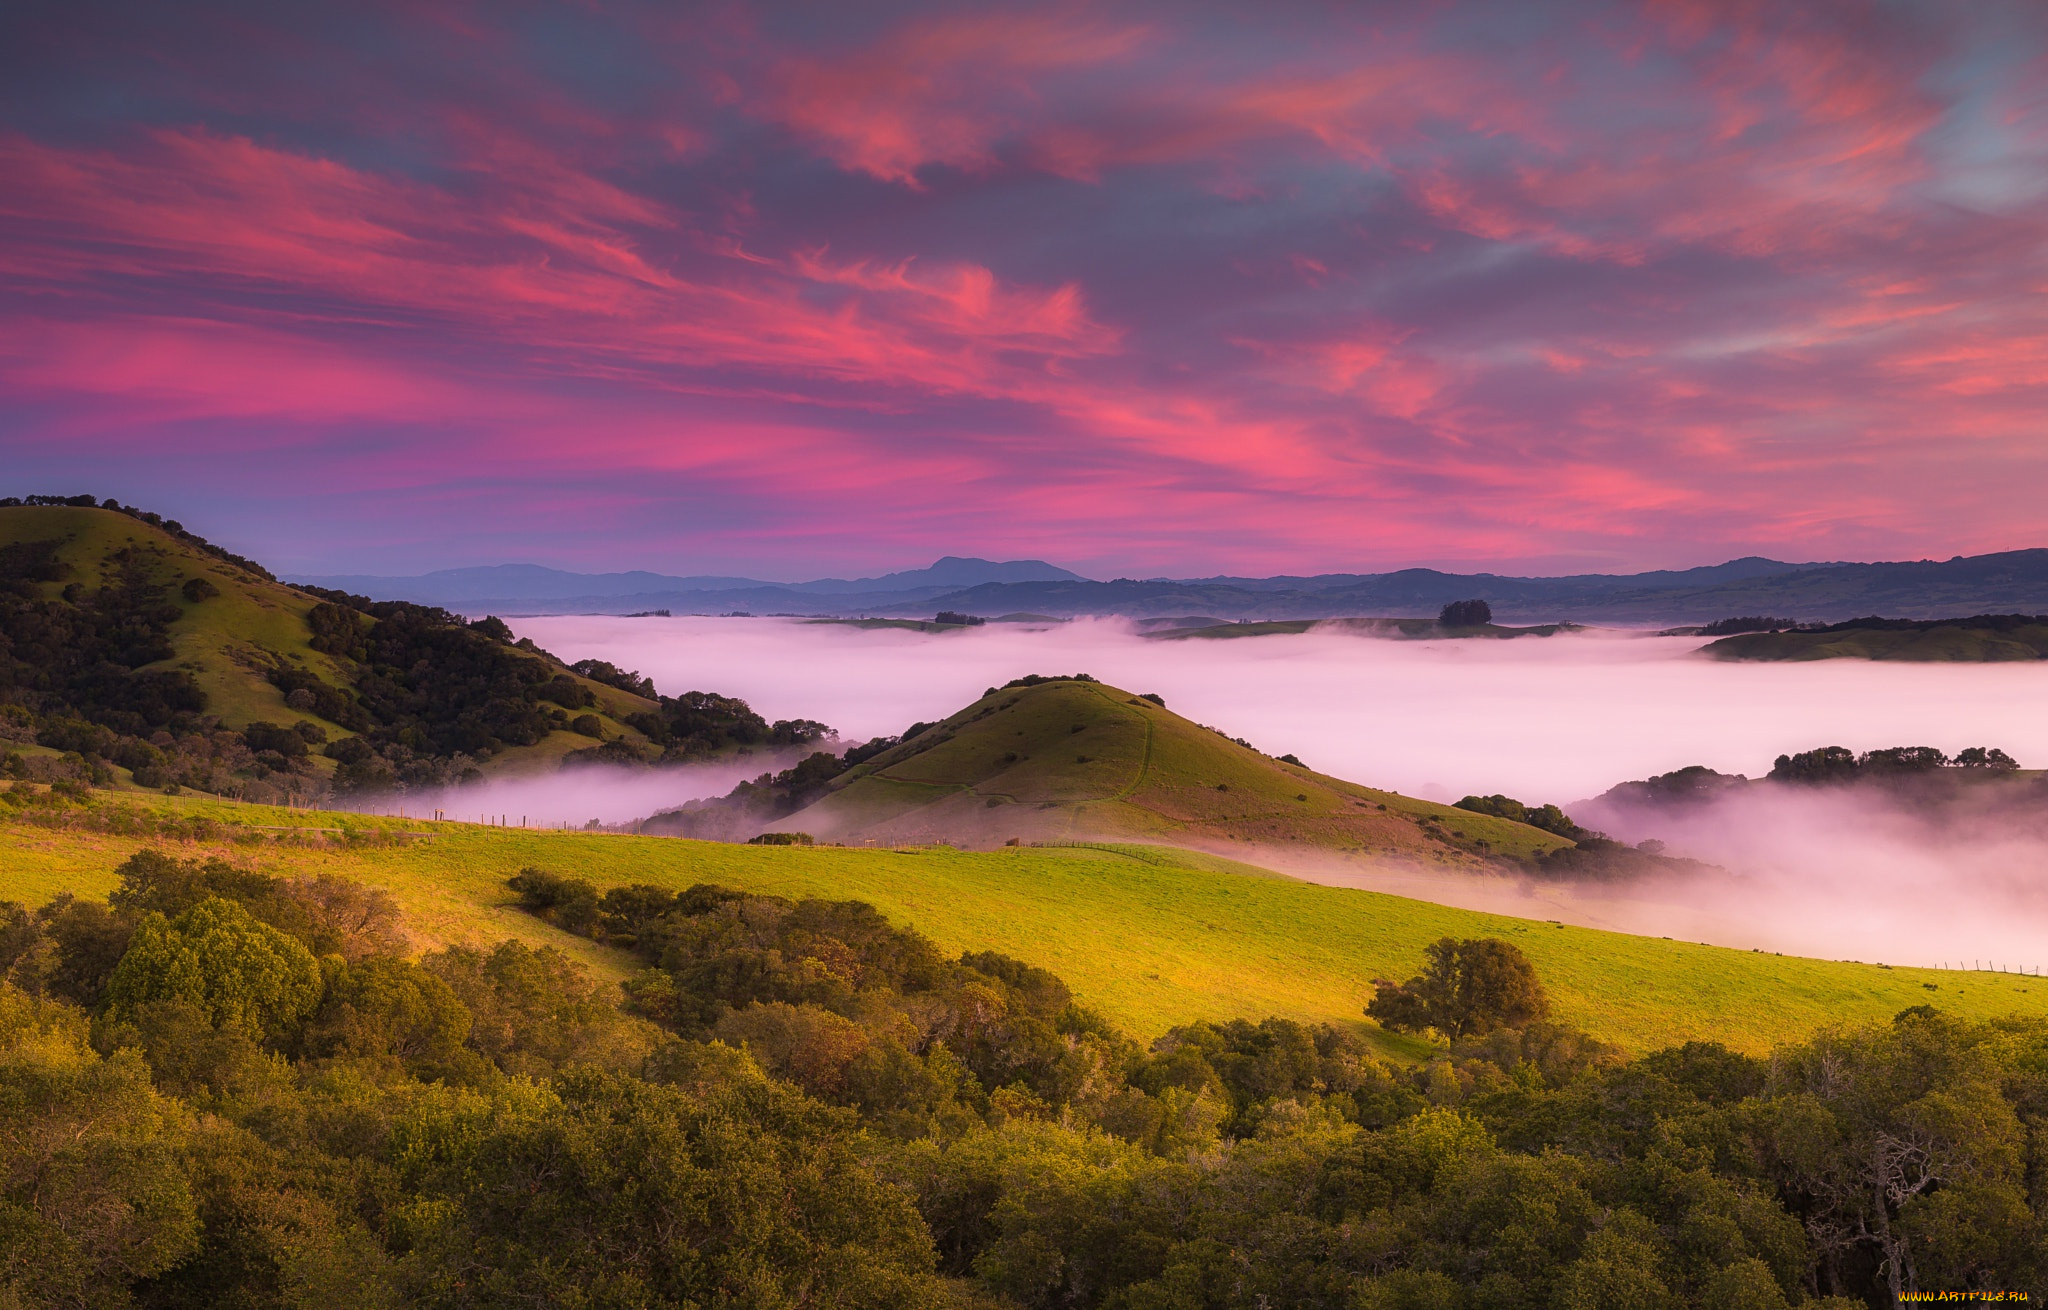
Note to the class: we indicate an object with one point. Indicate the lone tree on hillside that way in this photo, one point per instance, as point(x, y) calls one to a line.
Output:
point(1466, 614)
point(1468, 987)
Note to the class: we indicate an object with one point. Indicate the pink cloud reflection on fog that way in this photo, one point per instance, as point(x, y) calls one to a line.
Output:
point(1137, 286)
point(1551, 719)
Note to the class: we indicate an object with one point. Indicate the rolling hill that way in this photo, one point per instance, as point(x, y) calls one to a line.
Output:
point(1073, 759)
point(134, 653)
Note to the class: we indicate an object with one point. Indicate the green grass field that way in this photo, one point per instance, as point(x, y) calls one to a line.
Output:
point(1150, 936)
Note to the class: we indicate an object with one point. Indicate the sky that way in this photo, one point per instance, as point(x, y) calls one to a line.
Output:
point(796, 290)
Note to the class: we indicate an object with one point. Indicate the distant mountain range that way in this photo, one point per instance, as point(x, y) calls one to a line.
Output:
point(533, 589)
point(2011, 581)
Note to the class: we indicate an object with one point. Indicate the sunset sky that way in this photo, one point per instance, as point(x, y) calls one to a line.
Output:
point(1177, 289)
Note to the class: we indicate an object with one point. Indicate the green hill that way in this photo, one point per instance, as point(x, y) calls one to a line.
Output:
point(1068, 759)
point(1985, 638)
point(134, 653)
point(1151, 936)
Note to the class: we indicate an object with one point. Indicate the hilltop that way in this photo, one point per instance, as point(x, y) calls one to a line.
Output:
point(134, 653)
point(1061, 759)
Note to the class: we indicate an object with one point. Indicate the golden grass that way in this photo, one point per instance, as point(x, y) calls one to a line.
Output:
point(1151, 936)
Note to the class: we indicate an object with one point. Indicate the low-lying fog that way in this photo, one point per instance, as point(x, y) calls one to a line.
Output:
point(1542, 719)
point(1539, 718)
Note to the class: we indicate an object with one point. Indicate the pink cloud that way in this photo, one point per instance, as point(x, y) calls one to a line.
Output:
point(1646, 282)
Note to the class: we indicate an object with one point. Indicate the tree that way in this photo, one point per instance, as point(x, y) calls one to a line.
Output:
point(1899, 1144)
point(221, 959)
point(1467, 988)
point(90, 1180)
point(1466, 614)
point(1981, 757)
point(1547, 817)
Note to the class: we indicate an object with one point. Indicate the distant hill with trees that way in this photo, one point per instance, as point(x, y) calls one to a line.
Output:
point(1981, 638)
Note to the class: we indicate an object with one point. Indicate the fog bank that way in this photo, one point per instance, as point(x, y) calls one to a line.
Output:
point(1542, 719)
point(609, 794)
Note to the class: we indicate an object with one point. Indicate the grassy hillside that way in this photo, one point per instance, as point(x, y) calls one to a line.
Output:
point(1152, 937)
point(233, 633)
point(1963, 641)
point(1068, 760)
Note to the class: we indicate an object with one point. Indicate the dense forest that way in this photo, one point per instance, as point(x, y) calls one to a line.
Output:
point(220, 1088)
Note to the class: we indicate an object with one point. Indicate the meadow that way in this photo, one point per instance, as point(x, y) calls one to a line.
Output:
point(1150, 936)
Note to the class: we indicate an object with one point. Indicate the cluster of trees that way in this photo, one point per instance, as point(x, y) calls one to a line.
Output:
point(954, 619)
point(699, 724)
point(1547, 817)
point(1692, 785)
point(1839, 764)
point(1592, 855)
point(224, 1089)
point(1465, 614)
point(430, 692)
point(1747, 623)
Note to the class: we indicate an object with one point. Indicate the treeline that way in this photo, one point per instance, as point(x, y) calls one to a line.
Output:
point(1911, 768)
point(1922, 774)
point(1839, 764)
point(1874, 623)
point(226, 1089)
